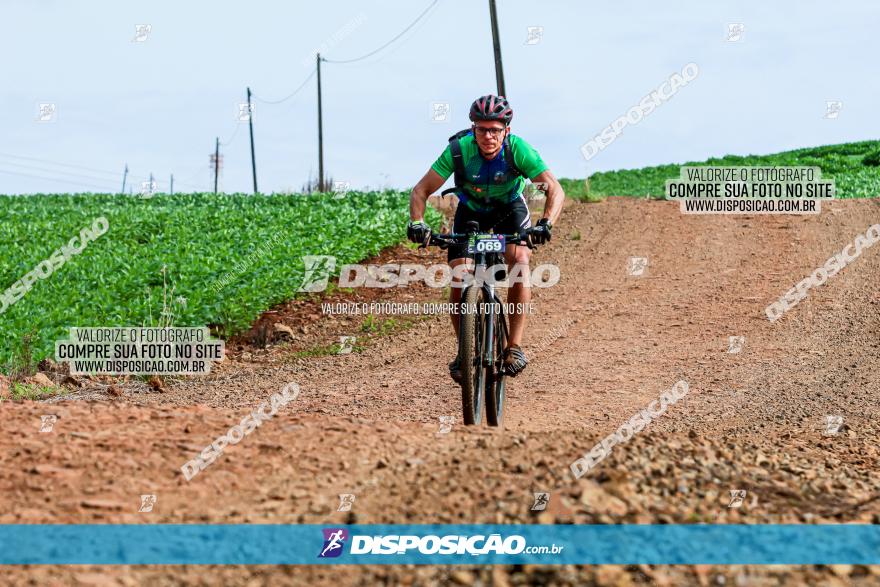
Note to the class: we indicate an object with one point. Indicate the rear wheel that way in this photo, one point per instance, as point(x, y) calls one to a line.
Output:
point(470, 343)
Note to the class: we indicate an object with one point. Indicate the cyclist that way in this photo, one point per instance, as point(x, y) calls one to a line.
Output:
point(490, 165)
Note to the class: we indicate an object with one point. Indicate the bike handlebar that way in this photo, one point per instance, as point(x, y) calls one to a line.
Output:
point(445, 240)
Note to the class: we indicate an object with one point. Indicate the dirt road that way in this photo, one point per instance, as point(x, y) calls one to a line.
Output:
point(603, 345)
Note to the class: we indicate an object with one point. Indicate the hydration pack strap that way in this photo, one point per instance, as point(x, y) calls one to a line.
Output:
point(458, 165)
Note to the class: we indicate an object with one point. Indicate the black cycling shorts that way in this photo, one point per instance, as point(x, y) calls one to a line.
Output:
point(512, 218)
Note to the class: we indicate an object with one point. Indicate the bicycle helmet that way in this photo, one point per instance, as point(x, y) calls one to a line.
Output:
point(491, 107)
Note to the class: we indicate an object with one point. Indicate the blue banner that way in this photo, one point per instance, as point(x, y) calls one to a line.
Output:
point(269, 544)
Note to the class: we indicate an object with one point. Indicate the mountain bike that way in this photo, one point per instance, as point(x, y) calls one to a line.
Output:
point(482, 332)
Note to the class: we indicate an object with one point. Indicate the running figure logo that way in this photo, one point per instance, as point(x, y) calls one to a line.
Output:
point(446, 424)
point(141, 32)
point(440, 111)
point(832, 109)
point(341, 189)
point(346, 343)
point(636, 266)
point(317, 272)
point(541, 501)
point(535, 34)
point(346, 500)
point(832, 425)
point(735, 344)
point(47, 112)
point(147, 503)
point(246, 112)
point(47, 422)
point(737, 496)
point(334, 540)
point(735, 31)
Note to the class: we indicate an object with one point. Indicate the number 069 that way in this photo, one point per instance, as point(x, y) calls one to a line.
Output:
point(489, 246)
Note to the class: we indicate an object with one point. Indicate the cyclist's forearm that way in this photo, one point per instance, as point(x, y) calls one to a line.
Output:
point(417, 200)
point(553, 204)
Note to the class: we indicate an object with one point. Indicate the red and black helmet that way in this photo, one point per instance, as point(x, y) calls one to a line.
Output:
point(491, 107)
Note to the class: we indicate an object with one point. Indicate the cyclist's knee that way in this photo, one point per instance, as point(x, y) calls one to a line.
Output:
point(521, 256)
point(460, 267)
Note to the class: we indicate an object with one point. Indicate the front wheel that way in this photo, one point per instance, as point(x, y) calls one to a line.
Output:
point(495, 380)
point(470, 344)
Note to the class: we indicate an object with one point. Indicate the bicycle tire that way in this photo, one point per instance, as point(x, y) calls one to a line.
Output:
point(469, 345)
point(495, 381)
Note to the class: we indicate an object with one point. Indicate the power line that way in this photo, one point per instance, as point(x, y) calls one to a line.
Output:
point(56, 171)
point(116, 173)
point(294, 93)
point(195, 187)
point(93, 184)
point(371, 53)
point(67, 181)
point(58, 164)
point(188, 183)
point(232, 138)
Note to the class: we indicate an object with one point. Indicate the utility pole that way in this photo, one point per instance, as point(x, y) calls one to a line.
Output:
point(124, 177)
point(496, 46)
point(216, 162)
point(251, 125)
point(320, 132)
point(172, 184)
point(151, 183)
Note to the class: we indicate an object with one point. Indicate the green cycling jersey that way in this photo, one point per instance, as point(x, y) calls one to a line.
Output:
point(491, 183)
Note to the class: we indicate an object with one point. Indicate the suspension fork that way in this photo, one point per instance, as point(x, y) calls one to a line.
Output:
point(489, 345)
point(488, 355)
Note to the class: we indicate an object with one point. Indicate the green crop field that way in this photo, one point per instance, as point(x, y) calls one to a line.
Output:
point(255, 242)
point(229, 257)
point(853, 166)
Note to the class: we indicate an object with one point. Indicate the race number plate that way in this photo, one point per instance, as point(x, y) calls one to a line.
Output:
point(485, 243)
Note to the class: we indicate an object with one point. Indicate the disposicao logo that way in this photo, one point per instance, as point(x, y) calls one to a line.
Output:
point(451, 544)
point(334, 541)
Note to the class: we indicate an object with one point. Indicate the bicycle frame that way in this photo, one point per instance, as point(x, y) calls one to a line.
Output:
point(488, 356)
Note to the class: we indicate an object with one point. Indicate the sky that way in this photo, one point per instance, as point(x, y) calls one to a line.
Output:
point(158, 104)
